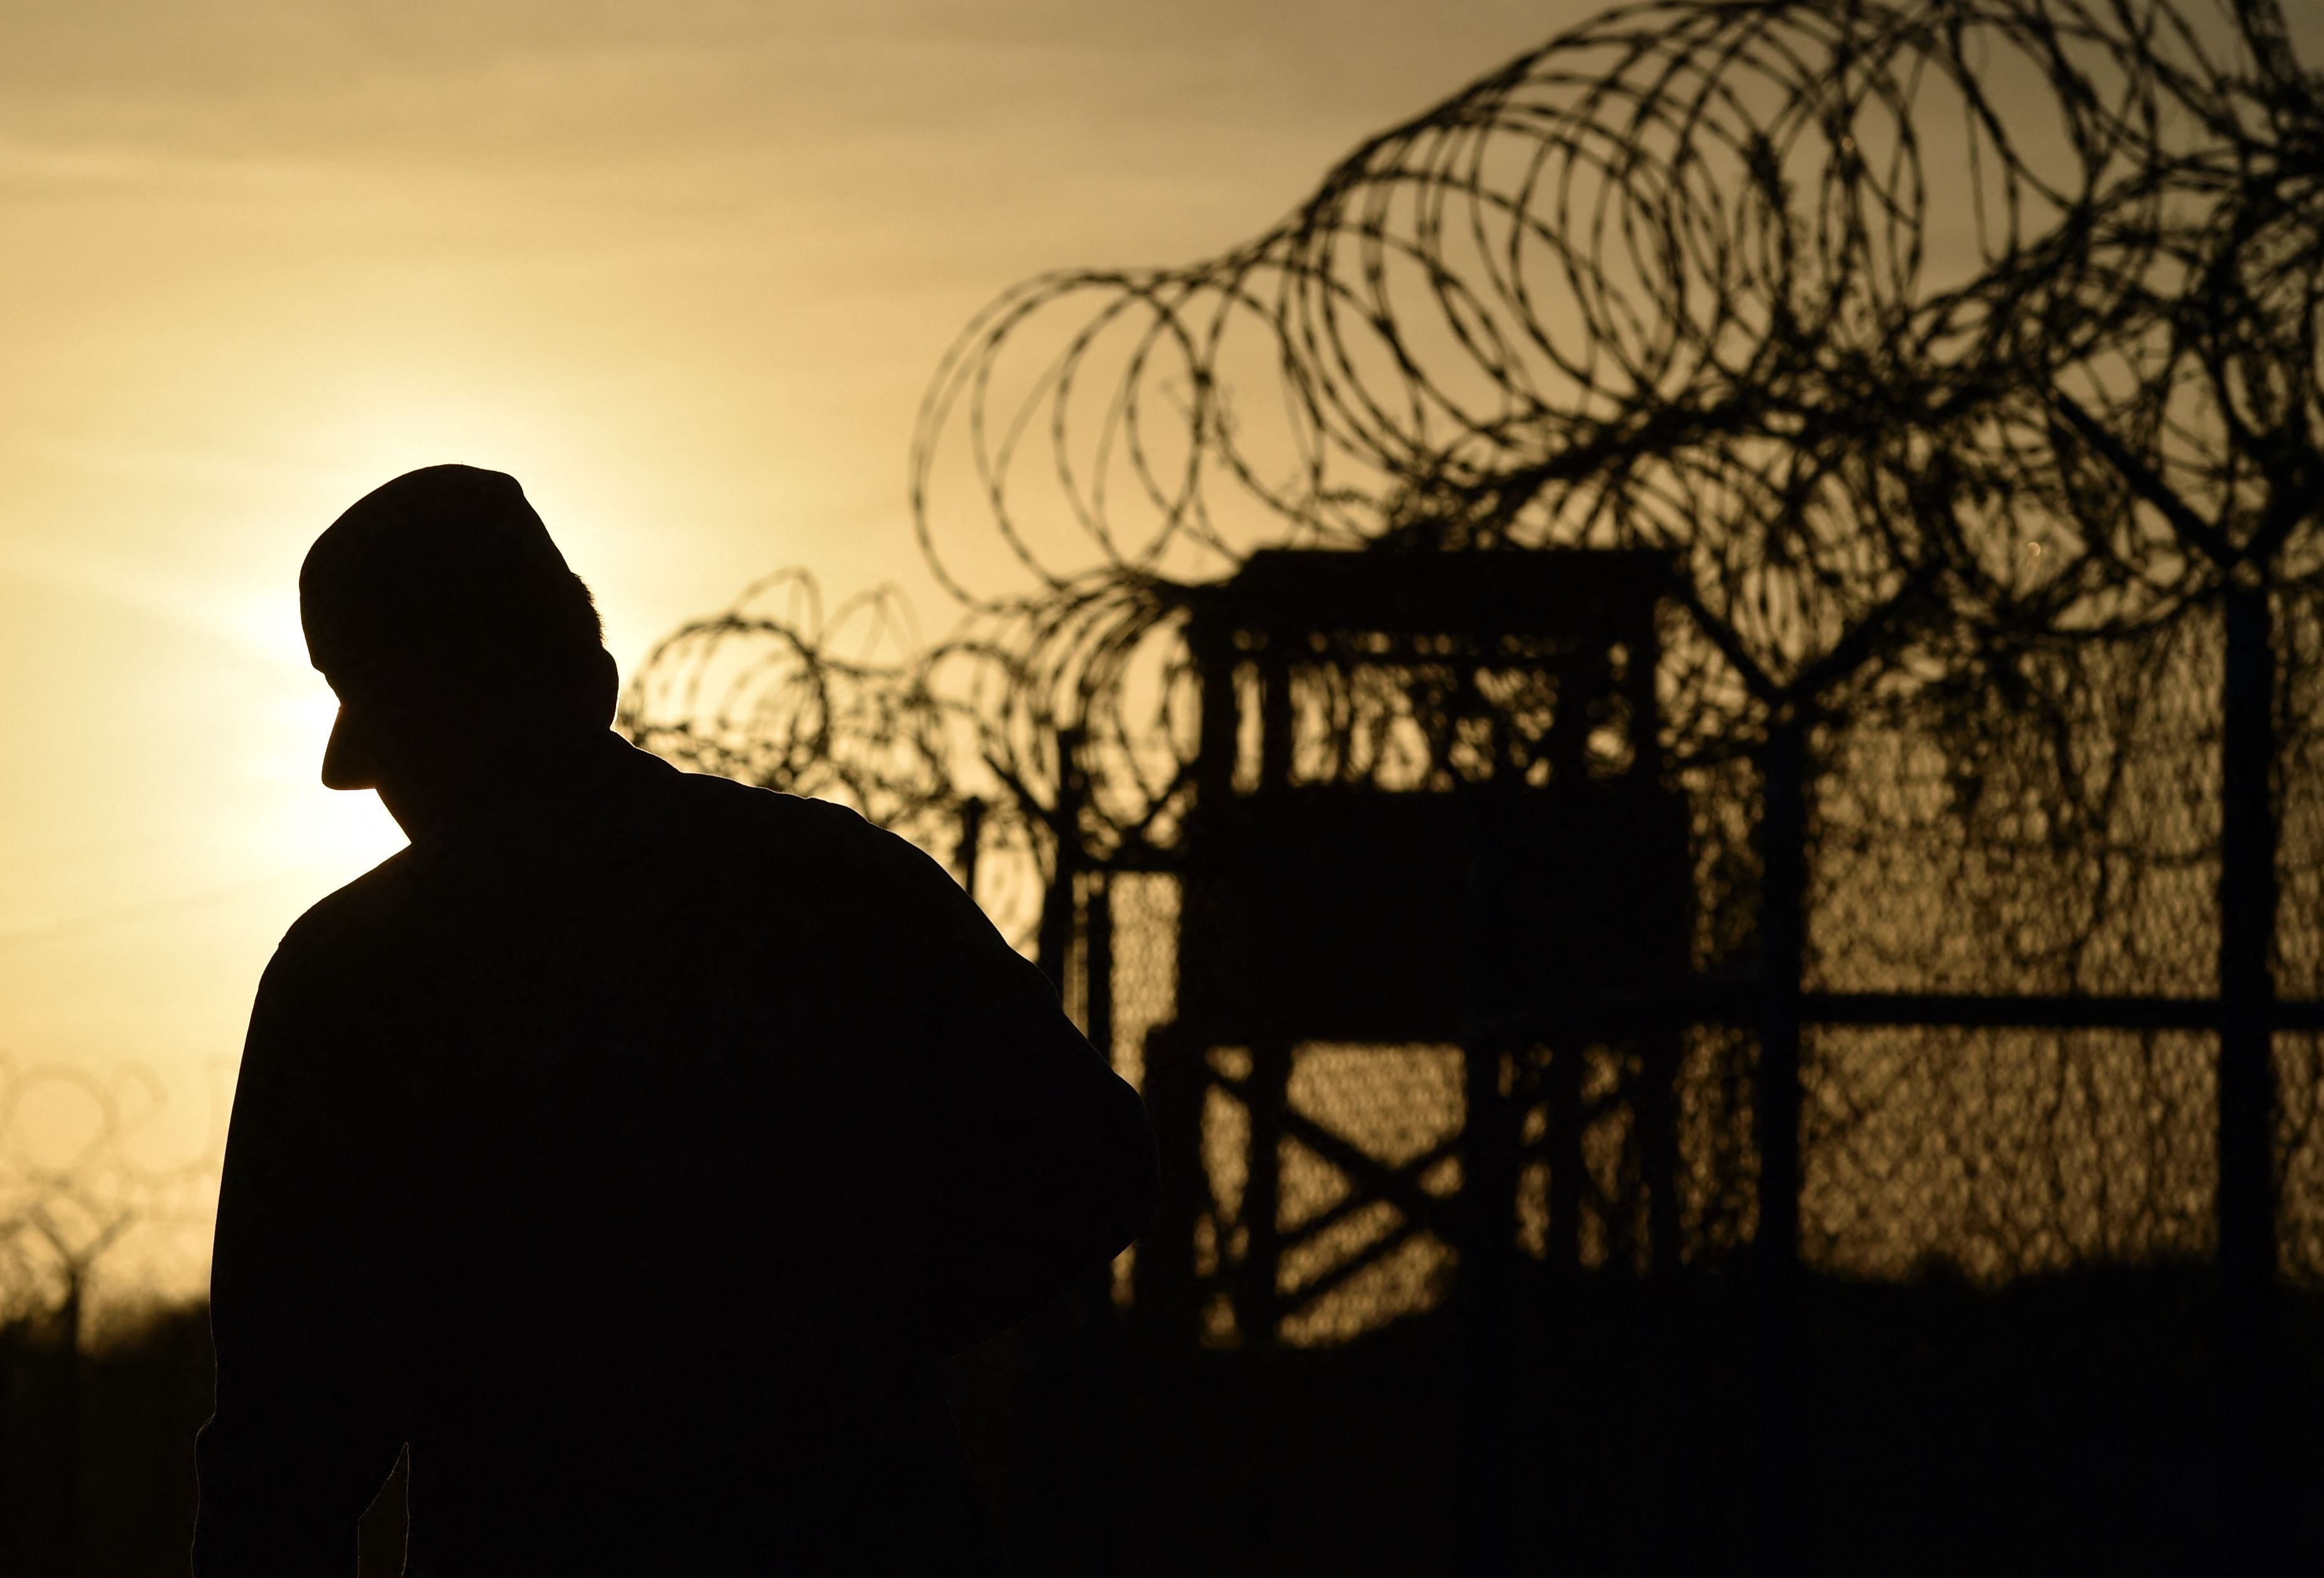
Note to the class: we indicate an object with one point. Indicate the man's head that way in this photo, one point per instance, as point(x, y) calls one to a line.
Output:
point(452, 631)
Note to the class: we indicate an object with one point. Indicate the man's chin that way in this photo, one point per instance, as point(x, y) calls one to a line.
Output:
point(347, 760)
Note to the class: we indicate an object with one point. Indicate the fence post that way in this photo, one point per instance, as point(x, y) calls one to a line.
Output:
point(2247, 923)
point(1258, 1302)
point(1055, 942)
point(2246, 1203)
point(1783, 957)
point(972, 838)
point(1097, 962)
point(1046, 1531)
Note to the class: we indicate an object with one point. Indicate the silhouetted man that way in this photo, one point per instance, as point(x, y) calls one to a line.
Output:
point(632, 1142)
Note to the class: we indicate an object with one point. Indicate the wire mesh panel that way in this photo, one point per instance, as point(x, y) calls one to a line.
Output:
point(2004, 1153)
point(1140, 982)
point(2300, 1138)
point(2046, 820)
point(1351, 1260)
point(1143, 981)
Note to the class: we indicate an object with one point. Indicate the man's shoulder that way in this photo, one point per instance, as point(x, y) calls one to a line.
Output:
point(791, 822)
point(351, 917)
point(819, 853)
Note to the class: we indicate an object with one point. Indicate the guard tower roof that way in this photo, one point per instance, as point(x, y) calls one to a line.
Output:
point(1496, 591)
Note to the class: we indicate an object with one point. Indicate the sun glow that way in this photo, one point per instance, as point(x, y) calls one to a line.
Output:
point(338, 834)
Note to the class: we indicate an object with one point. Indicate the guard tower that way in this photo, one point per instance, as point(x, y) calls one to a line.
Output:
point(1434, 882)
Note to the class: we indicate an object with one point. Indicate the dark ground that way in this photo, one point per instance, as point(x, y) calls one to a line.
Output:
point(2064, 1425)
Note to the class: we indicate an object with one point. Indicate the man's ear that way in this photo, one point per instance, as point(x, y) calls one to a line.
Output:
point(606, 679)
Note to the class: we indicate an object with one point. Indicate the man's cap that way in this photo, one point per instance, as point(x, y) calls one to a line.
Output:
point(448, 568)
point(434, 563)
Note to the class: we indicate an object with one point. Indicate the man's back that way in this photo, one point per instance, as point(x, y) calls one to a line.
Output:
point(632, 1157)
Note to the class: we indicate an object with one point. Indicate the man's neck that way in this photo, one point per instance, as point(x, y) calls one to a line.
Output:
point(522, 781)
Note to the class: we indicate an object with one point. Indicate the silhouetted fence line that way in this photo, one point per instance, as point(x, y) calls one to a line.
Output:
point(98, 1220)
point(1708, 659)
point(85, 1179)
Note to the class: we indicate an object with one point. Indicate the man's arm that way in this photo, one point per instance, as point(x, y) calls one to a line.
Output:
point(1039, 1161)
point(303, 1434)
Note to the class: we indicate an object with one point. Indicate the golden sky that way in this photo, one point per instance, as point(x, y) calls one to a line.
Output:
point(683, 267)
